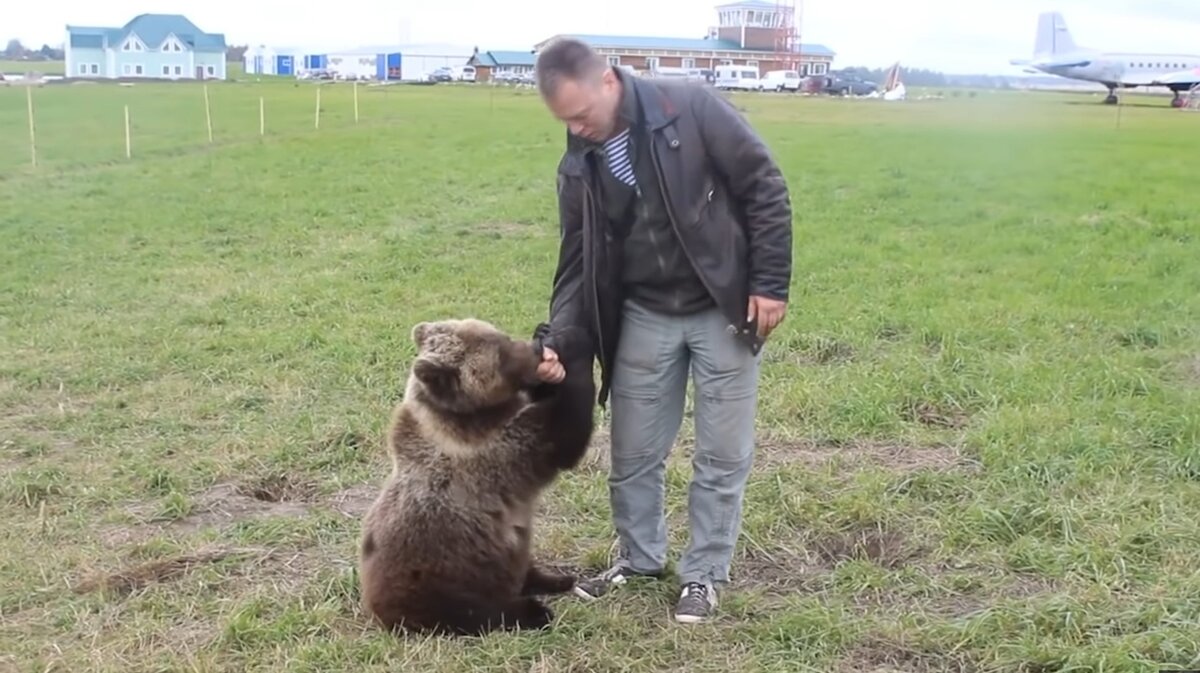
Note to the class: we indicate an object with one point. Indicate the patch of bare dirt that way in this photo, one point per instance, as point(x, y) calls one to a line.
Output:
point(889, 549)
point(895, 457)
point(219, 505)
point(227, 502)
point(354, 502)
point(928, 413)
point(128, 579)
point(884, 655)
point(1190, 368)
point(803, 564)
point(277, 488)
point(776, 572)
point(596, 458)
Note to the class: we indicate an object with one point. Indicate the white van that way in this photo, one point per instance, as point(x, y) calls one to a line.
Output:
point(781, 80)
point(467, 74)
point(742, 77)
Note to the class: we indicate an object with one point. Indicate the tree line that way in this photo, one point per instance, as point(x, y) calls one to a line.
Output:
point(929, 78)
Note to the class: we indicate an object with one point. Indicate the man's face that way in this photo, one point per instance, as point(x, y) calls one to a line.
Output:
point(588, 106)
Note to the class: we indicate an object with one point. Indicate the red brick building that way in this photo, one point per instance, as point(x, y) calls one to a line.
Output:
point(754, 33)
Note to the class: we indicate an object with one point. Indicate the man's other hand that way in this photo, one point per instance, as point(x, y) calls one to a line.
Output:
point(769, 312)
point(550, 369)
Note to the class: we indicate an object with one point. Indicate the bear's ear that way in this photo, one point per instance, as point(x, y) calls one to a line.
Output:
point(434, 376)
point(422, 331)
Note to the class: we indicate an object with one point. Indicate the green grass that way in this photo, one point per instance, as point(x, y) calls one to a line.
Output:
point(981, 437)
point(22, 67)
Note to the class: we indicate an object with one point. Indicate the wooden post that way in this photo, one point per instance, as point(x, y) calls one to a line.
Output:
point(262, 116)
point(32, 135)
point(317, 121)
point(356, 102)
point(128, 140)
point(208, 114)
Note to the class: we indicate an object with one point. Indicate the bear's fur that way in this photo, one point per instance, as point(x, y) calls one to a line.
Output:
point(445, 547)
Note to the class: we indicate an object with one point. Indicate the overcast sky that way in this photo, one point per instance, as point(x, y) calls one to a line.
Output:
point(958, 36)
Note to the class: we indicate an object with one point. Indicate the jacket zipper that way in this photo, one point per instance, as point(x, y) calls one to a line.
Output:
point(587, 190)
point(675, 225)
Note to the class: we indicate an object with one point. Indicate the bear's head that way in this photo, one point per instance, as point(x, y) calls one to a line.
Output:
point(465, 366)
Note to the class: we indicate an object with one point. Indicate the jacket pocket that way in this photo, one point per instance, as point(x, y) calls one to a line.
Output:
point(705, 201)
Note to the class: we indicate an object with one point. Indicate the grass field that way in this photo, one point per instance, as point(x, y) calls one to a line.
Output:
point(980, 423)
point(22, 67)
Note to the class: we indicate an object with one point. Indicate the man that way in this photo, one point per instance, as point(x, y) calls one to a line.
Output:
point(676, 255)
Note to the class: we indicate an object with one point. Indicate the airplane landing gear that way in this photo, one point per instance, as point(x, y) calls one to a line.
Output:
point(1177, 101)
point(1112, 97)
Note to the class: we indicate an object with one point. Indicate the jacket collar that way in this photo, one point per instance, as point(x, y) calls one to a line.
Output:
point(657, 111)
point(640, 98)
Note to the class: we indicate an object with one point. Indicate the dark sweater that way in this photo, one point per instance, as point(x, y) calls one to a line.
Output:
point(655, 269)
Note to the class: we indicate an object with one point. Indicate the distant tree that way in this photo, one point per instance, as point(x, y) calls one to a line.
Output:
point(15, 50)
point(236, 54)
point(50, 53)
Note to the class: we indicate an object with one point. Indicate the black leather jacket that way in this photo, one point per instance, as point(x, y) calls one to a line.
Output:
point(727, 201)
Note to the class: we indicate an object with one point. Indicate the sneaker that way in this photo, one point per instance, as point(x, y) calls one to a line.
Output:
point(595, 587)
point(696, 603)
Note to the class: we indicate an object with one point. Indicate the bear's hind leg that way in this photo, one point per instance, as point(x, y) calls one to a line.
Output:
point(475, 618)
point(540, 581)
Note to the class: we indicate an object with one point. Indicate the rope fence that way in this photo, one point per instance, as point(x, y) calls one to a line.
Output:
point(98, 123)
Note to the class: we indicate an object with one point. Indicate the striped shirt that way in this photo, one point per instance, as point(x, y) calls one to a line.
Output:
point(619, 161)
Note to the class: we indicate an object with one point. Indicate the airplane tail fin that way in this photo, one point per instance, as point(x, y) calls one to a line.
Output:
point(1053, 37)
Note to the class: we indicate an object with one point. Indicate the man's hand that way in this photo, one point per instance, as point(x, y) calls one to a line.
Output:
point(550, 369)
point(769, 312)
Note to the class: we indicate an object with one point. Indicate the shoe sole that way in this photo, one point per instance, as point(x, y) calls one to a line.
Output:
point(688, 619)
point(584, 595)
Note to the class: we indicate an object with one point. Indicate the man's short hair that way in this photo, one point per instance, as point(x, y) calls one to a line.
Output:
point(566, 59)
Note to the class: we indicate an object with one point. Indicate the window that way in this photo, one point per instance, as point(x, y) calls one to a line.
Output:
point(126, 69)
point(137, 70)
point(726, 61)
point(652, 63)
point(166, 70)
point(614, 60)
point(751, 64)
point(689, 63)
point(83, 69)
point(178, 70)
point(212, 71)
point(95, 69)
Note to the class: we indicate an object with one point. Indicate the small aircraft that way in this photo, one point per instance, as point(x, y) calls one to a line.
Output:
point(1055, 53)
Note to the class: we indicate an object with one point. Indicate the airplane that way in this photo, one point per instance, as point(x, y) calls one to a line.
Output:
point(1056, 53)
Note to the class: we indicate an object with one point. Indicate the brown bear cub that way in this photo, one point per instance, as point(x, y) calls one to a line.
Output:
point(445, 547)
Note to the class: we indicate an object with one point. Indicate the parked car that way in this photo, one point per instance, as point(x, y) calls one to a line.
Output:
point(740, 77)
point(852, 85)
point(443, 74)
point(781, 80)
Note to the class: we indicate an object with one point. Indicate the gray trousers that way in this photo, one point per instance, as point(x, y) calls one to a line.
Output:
point(650, 376)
